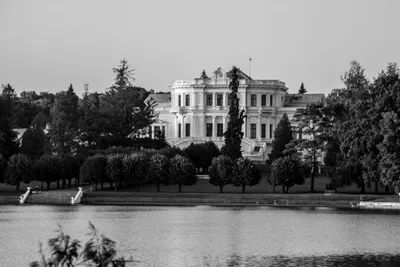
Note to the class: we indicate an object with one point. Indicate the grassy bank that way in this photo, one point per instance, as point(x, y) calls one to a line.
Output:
point(63, 197)
point(200, 193)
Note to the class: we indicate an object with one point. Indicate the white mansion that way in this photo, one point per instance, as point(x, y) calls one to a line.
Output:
point(196, 111)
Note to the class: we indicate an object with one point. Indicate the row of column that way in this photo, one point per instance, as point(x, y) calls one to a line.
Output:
point(202, 125)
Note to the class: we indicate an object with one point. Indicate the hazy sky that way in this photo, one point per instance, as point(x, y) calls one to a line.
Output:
point(46, 45)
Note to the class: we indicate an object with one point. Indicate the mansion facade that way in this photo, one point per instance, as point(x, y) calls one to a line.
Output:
point(196, 111)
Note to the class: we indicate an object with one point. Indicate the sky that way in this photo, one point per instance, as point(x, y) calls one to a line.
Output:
point(45, 45)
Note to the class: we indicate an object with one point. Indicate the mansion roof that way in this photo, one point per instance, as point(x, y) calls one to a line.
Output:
point(301, 100)
point(159, 98)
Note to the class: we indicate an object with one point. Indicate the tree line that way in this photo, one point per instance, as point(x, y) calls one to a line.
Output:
point(64, 123)
point(129, 167)
point(356, 133)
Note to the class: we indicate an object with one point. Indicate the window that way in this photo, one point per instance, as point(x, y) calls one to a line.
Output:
point(270, 130)
point(263, 130)
point(187, 100)
point(253, 130)
point(220, 130)
point(163, 130)
point(179, 130)
point(209, 100)
point(219, 100)
point(253, 100)
point(229, 100)
point(263, 100)
point(271, 100)
point(150, 131)
point(187, 129)
point(209, 129)
point(179, 100)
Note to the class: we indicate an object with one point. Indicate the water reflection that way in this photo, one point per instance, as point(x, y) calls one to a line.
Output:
point(327, 261)
point(213, 236)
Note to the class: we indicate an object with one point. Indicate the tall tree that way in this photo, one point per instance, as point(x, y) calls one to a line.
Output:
point(302, 89)
point(283, 135)
point(91, 120)
point(386, 92)
point(8, 144)
point(123, 77)
point(234, 134)
point(123, 108)
point(64, 120)
point(357, 135)
point(312, 124)
point(33, 142)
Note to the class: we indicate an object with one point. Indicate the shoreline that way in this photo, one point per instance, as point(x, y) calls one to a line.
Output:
point(63, 197)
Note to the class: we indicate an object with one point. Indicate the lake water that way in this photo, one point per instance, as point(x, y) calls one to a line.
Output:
point(212, 236)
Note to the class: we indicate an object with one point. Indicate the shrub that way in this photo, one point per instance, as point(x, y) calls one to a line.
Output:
point(171, 152)
point(115, 170)
point(159, 170)
point(94, 170)
point(65, 251)
point(285, 172)
point(196, 155)
point(182, 172)
point(245, 173)
point(202, 155)
point(220, 172)
point(49, 169)
point(213, 149)
point(137, 168)
point(148, 153)
point(19, 169)
point(113, 150)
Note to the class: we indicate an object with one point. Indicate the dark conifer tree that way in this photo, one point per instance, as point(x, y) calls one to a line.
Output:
point(302, 89)
point(64, 121)
point(282, 137)
point(234, 134)
point(8, 144)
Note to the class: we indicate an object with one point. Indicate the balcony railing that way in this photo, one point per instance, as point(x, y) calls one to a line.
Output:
point(226, 81)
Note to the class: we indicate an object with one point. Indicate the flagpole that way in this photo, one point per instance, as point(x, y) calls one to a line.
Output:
point(250, 67)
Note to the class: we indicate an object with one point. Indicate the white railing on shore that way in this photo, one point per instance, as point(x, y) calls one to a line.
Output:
point(78, 197)
point(23, 198)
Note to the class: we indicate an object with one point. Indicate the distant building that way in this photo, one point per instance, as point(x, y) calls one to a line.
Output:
point(196, 111)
